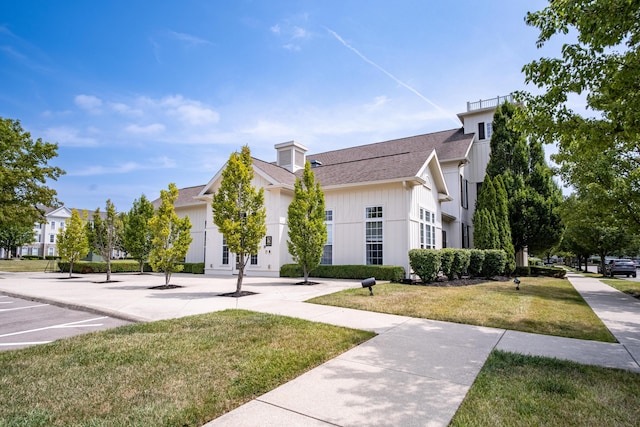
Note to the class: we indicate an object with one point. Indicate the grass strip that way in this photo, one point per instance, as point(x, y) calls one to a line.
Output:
point(543, 305)
point(517, 390)
point(627, 286)
point(181, 372)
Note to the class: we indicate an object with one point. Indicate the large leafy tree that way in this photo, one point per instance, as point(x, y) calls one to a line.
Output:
point(73, 242)
point(599, 151)
point(170, 236)
point(238, 210)
point(24, 171)
point(104, 233)
point(136, 236)
point(14, 236)
point(593, 228)
point(307, 229)
point(533, 197)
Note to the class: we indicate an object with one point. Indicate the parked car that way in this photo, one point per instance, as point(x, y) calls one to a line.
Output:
point(620, 267)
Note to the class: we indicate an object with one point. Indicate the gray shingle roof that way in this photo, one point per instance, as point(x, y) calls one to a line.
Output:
point(382, 161)
point(389, 160)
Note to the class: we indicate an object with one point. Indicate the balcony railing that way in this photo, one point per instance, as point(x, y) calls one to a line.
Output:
point(488, 103)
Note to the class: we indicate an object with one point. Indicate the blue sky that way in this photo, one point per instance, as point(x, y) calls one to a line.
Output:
point(139, 94)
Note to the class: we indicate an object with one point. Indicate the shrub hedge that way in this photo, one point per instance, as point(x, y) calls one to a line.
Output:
point(380, 272)
point(495, 261)
point(556, 272)
point(86, 267)
point(428, 263)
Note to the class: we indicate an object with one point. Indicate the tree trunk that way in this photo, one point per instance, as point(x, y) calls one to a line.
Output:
point(167, 277)
point(243, 263)
point(108, 269)
point(70, 268)
point(305, 273)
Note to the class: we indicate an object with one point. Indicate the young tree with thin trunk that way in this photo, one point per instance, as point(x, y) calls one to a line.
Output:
point(307, 229)
point(170, 236)
point(104, 233)
point(73, 243)
point(238, 210)
point(136, 237)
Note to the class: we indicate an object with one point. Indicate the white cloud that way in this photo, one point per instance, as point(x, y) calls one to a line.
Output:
point(88, 102)
point(125, 109)
point(124, 168)
point(188, 38)
point(292, 32)
point(69, 137)
point(145, 130)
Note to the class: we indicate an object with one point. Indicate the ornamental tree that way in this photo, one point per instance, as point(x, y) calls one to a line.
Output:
point(73, 242)
point(136, 236)
point(24, 171)
point(104, 233)
point(306, 216)
point(238, 210)
point(170, 236)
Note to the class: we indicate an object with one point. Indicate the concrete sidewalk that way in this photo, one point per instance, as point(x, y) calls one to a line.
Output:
point(415, 372)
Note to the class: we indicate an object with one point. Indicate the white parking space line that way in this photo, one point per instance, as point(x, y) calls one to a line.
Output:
point(62, 325)
point(23, 308)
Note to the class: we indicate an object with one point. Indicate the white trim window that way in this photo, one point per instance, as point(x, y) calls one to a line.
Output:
point(327, 252)
point(225, 252)
point(374, 240)
point(427, 229)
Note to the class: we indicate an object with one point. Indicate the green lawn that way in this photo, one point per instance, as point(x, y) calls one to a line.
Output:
point(626, 286)
point(542, 305)
point(27, 265)
point(181, 372)
point(517, 390)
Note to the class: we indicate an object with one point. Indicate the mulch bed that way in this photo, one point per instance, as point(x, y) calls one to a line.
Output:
point(237, 295)
point(164, 287)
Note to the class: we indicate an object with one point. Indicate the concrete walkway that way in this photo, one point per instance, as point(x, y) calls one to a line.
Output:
point(415, 372)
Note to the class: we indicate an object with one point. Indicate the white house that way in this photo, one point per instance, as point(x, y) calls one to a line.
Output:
point(46, 233)
point(381, 199)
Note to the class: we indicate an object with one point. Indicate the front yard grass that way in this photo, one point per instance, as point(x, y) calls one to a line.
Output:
point(27, 265)
point(542, 305)
point(627, 286)
point(518, 390)
point(179, 372)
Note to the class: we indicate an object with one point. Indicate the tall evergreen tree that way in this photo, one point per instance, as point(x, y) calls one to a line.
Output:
point(104, 233)
point(238, 210)
point(485, 226)
point(504, 228)
point(136, 235)
point(73, 242)
point(307, 230)
point(533, 197)
point(170, 236)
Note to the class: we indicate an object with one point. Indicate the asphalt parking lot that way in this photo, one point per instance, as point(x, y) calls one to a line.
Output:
point(24, 323)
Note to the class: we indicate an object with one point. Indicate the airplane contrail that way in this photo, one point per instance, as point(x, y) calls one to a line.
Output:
point(391, 76)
